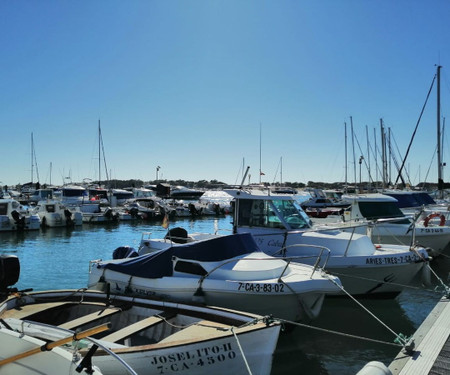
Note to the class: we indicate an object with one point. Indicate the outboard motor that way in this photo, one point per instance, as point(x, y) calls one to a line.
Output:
point(68, 216)
point(177, 235)
point(124, 252)
point(19, 220)
point(108, 213)
point(193, 210)
point(9, 272)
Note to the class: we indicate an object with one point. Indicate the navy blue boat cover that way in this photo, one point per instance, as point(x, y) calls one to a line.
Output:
point(159, 264)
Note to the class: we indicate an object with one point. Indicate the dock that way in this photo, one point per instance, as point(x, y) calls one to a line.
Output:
point(431, 354)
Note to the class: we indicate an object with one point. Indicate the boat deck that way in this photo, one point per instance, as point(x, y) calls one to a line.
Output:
point(432, 345)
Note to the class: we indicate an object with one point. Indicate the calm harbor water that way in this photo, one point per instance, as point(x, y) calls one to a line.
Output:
point(59, 258)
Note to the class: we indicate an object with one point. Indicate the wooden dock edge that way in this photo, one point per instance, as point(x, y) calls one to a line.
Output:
point(429, 338)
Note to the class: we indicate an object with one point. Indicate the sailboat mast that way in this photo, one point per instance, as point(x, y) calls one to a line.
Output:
point(99, 153)
point(353, 147)
point(281, 171)
point(32, 157)
point(439, 157)
point(260, 171)
point(346, 162)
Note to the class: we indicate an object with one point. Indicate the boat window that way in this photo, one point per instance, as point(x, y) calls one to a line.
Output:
point(74, 192)
point(50, 208)
point(291, 213)
point(3, 208)
point(190, 267)
point(379, 210)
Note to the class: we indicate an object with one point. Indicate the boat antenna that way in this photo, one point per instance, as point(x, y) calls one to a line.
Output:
point(243, 178)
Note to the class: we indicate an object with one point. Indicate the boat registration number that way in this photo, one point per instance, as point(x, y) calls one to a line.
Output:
point(392, 260)
point(431, 230)
point(261, 288)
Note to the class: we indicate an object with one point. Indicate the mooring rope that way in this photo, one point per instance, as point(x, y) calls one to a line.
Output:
point(399, 337)
point(242, 351)
point(340, 333)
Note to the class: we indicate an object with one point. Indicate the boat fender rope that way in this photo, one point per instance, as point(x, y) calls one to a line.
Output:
point(432, 216)
point(242, 351)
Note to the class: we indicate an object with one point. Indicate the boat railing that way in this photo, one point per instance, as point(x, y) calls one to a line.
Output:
point(287, 260)
point(318, 257)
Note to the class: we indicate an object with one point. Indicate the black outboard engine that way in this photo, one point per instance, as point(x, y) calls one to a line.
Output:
point(124, 252)
point(68, 216)
point(108, 213)
point(177, 235)
point(9, 272)
point(19, 220)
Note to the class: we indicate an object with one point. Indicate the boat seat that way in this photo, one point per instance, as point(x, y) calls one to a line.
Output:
point(200, 330)
point(139, 326)
point(83, 320)
point(27, 311)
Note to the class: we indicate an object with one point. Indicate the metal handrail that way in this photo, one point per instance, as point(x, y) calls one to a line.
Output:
point(319, 257)
point(288, 260)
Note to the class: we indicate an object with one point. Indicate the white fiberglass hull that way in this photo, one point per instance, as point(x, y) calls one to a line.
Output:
point(363, 268)
point(7, 224)
point(217, 356)
point(437, 238)
point(292, 298)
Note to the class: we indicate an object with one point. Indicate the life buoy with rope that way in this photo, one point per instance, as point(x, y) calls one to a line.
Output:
point(432, 216)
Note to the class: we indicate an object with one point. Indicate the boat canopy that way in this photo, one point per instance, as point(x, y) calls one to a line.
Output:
point(159, 264)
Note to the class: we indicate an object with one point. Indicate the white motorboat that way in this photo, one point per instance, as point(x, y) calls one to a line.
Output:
point(14, 217)
point(421, 203)
point(54, 214)
point(380, 209)
point(150, 208)
point(102, 215)
point(228, 271)
point(148, 336)
point(72, 195)
point(40, 195)
point(281, 227)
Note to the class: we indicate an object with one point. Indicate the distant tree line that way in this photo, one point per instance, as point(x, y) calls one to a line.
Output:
point(216, 184)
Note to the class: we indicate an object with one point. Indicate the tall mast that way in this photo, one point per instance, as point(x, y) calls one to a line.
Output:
point(99, 155)
point(260, 171)
point(439, 157)
point(346, 163)
point(353, 147)
point(383, 153)
point(368, 157)
point(376, 157)
point(32, 157)
point(281, 171)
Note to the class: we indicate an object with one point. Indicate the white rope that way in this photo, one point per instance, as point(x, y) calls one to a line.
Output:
point(369, 312)
point(340, 333)
point(242, 351)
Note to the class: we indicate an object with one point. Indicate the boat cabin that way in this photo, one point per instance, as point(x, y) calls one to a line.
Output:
point(374, 207)
point(268, 211)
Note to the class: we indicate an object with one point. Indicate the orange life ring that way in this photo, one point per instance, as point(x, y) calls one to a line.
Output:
point(432, 216)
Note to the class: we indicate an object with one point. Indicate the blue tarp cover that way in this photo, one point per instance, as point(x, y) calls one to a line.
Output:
point(159, 264)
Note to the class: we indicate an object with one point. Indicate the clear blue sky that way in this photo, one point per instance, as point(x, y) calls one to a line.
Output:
point(187, 85)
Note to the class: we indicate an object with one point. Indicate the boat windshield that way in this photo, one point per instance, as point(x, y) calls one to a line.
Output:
point(291, 213)
point(381, 210)
point(270, 214)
